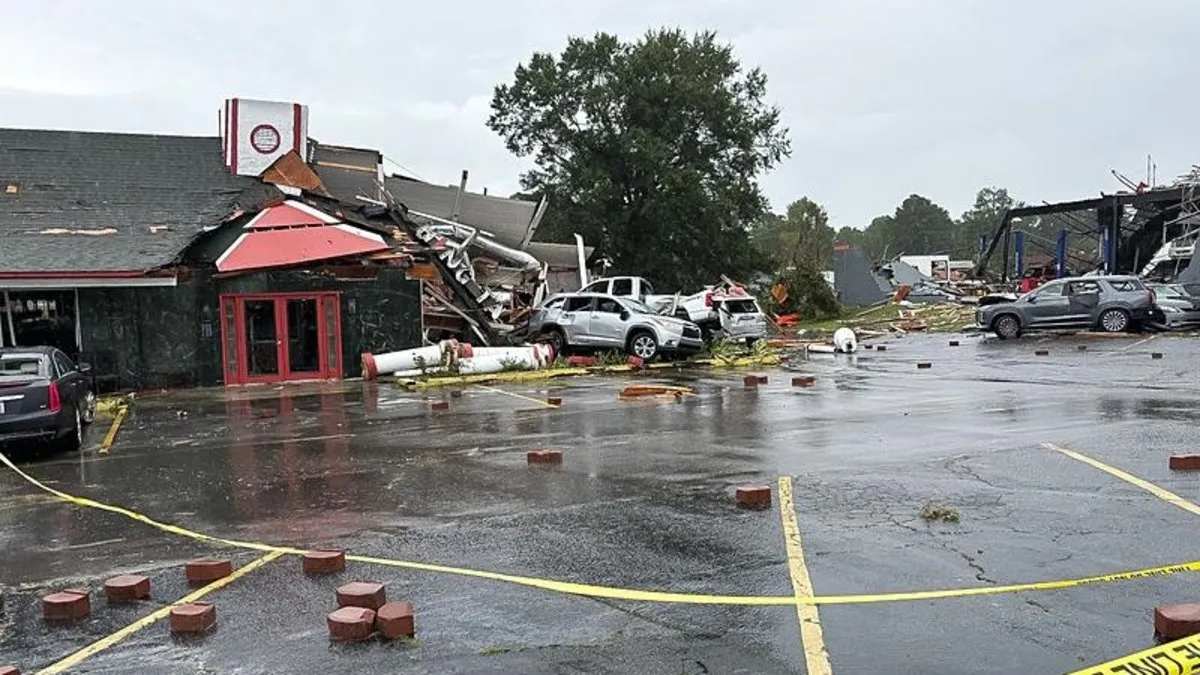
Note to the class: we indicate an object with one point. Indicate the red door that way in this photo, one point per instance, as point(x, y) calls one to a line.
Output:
point(279, 337)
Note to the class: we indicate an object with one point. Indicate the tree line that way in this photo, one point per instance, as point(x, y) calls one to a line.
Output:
point(652, 149)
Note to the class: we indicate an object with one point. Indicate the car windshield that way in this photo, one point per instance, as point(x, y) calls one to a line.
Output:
point(637, 306)
point(19, 367)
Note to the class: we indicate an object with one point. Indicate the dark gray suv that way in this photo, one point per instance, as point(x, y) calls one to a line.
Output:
point(1111, 303)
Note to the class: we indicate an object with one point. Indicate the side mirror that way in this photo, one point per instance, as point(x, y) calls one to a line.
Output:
point(85, 368)
point(624, 315)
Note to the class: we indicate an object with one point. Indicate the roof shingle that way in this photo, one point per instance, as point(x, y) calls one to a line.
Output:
point(89, 201)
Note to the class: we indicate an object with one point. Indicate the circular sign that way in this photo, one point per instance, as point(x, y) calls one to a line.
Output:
point(264, 138)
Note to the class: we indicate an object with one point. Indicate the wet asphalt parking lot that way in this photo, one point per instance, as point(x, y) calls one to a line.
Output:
point(643, 500)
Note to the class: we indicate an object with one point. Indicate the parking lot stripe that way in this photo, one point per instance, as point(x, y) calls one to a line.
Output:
point(150, 619)
point(1163, 494)
point(614, 593)
point(111, 436)
point(816, 656)
point(523, 398)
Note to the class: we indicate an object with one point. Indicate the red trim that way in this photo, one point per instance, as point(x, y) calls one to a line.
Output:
point(296, 119)
point(233, 139)
point(105, 274)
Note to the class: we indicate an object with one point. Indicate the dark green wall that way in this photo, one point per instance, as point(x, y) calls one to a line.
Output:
point(171, 337)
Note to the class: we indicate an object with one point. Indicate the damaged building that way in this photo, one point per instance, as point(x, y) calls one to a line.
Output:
point(258, 255)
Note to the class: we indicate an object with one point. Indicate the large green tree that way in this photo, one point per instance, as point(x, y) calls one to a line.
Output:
point(650, 149)
point(981, 220)
point(800, 237)
point(798, 246)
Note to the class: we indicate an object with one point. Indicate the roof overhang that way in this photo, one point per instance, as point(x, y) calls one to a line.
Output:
point(97, 279)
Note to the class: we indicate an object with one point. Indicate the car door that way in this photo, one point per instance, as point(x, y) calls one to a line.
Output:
point(574, 319)
point(1049, 305)
point(607, 323)
point(1083, 302)
point(70, 380)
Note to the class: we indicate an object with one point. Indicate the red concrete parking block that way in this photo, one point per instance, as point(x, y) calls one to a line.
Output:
point(924, 365)
point(324, 562)
point(750, 380)
point(9, 670)
point(881, 348)
point(68, 605)
point(1042, 352)
point(804, 381)
point(543, 457)
point(193, 618)
point(554, 400)
point(636, 361)
point(1156, 355)
point(756, 497)
point(1184, 463)
point(762, 379)
point(365, 594)
point(954, 343)
point(581, 361)
point(1082, 348)
point(206, 571)
point(456, 393)
point(351, 624)
point(127, 588)
point(395, 620)
point(440, 406)
point(1174, 622)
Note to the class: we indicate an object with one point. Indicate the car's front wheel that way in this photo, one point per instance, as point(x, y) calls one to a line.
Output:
point(555, 338)
point(643, 345)
point(1007, 327)
point(1114, 321)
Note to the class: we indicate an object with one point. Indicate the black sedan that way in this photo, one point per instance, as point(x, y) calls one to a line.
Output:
point(44, 398)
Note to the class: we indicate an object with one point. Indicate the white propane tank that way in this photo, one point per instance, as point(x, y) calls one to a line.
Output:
point(845, 340)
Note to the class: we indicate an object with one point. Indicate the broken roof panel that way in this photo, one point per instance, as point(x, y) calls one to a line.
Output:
point(347, 172)
point(263, 249)
point(73, 183)
point(509, 220)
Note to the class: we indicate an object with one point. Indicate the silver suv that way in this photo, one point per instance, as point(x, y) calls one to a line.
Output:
point(1111, 303)
point(599, 321)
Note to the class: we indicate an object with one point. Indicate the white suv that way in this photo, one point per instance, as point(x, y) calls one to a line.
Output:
point(597, 321)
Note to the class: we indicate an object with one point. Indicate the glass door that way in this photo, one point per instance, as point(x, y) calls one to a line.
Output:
point(275, 337)
point(262, 339)
point(303, 337)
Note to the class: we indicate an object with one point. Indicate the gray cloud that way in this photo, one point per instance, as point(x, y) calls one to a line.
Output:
point(884, 97)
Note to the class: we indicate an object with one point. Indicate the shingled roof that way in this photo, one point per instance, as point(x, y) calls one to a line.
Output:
point(75, 201)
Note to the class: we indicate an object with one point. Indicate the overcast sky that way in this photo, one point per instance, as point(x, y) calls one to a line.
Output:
point(883, 97)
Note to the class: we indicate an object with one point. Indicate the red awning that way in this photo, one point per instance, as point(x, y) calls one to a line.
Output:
point(265, 248)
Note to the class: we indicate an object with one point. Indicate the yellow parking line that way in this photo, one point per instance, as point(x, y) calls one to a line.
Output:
point(115, 638)
point(111, 436)
point(816, 657)
point(520, 396)
point(1163, 494)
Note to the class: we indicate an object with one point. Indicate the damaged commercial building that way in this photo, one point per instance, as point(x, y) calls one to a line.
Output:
point(259, 255)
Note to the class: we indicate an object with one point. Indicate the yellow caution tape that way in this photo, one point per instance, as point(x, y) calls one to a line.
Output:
point(1181, 657)
point(613, 593)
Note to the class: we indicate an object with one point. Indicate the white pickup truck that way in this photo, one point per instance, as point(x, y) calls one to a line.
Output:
point(727, 311)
